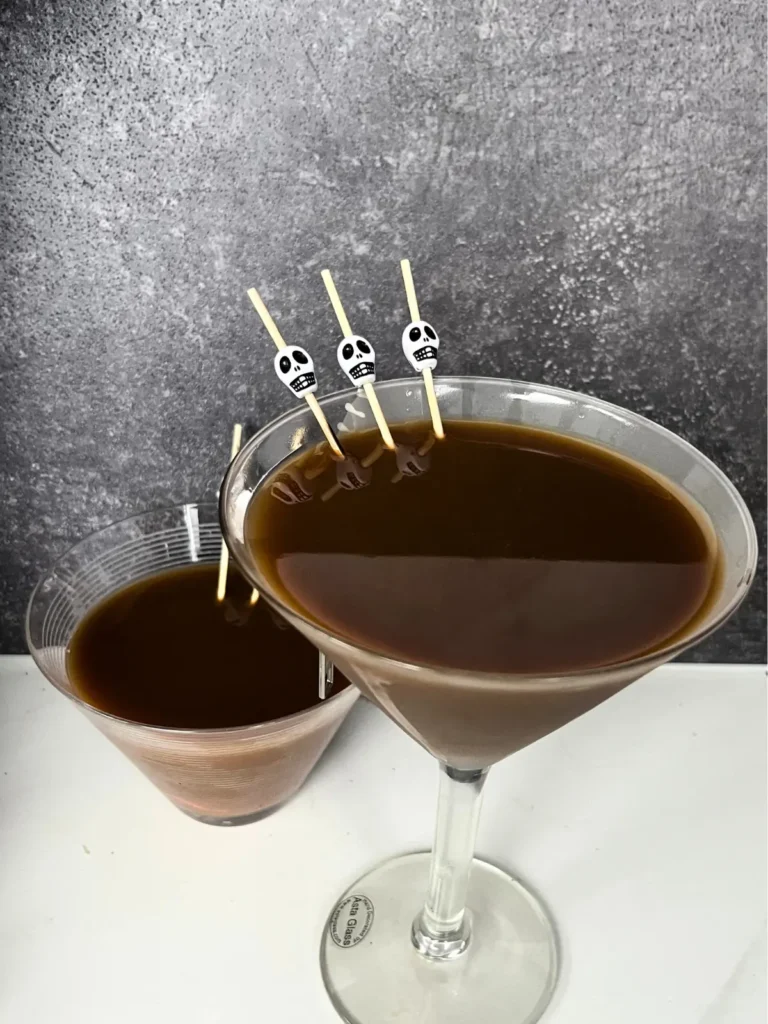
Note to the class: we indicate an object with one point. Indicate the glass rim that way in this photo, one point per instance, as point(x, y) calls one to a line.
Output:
point(462, 677)
point(271, 726)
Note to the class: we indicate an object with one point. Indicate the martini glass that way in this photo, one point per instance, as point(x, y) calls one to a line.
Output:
point(447, 938)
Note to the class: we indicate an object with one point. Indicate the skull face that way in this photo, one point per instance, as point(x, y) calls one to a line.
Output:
point(296, 370)
point(357, 359)
point(351, 474)
point(291, 488)
point(420, 345)
point(410, 462)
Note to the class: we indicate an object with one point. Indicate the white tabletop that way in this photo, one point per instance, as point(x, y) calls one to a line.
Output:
point(642, 824)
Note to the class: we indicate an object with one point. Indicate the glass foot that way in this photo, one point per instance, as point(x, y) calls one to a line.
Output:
point(374, 974)
point(231, 822)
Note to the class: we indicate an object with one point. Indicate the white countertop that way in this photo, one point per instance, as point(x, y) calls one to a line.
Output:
point(643, 825)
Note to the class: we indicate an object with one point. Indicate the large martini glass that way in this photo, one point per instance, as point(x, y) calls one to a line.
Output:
point(446, 938)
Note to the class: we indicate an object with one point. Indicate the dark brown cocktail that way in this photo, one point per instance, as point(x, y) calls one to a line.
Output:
point(518, 552)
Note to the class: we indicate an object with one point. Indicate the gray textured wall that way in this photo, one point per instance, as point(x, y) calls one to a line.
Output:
point(581, 187)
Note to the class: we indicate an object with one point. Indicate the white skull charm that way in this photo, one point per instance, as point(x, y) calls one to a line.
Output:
point(291, 488)
point(357, 359)
point(294, 367)
point(420, 345)
point(411, 462)
point(351, 474)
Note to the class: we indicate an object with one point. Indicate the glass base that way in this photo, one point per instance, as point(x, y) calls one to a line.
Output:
point(374, 974)
point(231, 822)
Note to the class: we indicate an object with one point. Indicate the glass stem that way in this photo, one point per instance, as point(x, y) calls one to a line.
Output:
point(442, 929)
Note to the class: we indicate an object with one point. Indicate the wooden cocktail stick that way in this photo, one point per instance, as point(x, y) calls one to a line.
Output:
point(360, 364)
point(420, 343)
point(221, 587)
point(324, 676)
point(297, 360)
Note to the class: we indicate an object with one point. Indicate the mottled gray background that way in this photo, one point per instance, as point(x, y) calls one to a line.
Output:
point(581, 187)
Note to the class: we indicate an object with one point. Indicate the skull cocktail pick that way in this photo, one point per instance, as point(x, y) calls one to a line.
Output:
point(290, 488)
point(296, 370)
point(420, 345)
point(413, 461)
point(352, 474)
point(358, 360)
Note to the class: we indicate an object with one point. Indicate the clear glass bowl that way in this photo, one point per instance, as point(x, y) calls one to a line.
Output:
point(219, 776)
point(481, 947)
